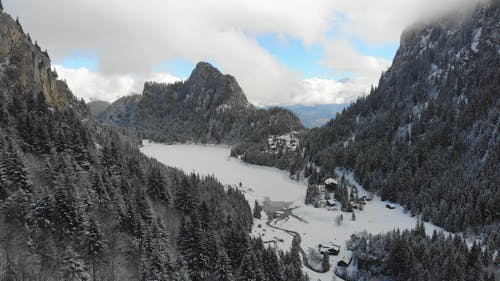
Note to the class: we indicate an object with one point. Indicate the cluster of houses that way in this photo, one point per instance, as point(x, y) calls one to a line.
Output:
point(334, 250)
point(324, 195)
point(323, 191)
point(283, 143)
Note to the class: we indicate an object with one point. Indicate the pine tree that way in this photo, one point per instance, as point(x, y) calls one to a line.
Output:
point(160, 265)
point(474, 268)
point(4, 118)
point(95, 245)
point(325, 262)
point(257, 210)
point(250, 269)
point(273, 267)
point(41, 106)
point(73, 267)
point(186, 198)
point(181, 273)
point(398, 260)
point(157, 185)
point(222, 267)
point(99, 188)
point(16, 174)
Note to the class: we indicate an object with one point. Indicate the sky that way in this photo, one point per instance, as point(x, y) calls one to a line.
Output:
point(281, 52)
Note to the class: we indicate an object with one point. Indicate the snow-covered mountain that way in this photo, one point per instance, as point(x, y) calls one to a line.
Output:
point(428, 136)
point(207, 107)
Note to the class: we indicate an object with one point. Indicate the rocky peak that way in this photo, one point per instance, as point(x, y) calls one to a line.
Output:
point(205, 72)
point(208, 88)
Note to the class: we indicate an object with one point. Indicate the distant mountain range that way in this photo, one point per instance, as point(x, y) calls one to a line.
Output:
point(316, 115)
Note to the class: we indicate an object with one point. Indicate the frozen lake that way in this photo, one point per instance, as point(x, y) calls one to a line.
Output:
point(318, 224)
point(215, 160)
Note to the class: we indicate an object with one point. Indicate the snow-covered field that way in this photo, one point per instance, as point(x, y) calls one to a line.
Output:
point(318, 225)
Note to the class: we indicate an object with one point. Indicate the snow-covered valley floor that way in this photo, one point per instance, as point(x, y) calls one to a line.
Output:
point(317, 225)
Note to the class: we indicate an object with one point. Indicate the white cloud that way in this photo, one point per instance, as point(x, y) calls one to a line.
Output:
point(325, 91)
point(382, 21)
point(342, 56)
point(134, 37)
point(91, 85)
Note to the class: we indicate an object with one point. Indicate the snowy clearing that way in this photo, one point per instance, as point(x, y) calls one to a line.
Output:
point(315, 225)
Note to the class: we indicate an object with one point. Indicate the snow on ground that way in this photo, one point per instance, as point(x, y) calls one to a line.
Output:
point(319, 224)
point(475, 40)
point(215, 160)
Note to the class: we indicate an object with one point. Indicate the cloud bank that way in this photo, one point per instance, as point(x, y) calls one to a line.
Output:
point(132, 38)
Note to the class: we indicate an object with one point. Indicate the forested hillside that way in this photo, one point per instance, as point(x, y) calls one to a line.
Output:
point(78, 201)
point(207, 107)
point(413, 256)
point(428, 137)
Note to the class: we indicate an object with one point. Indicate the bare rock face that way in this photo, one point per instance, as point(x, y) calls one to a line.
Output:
point(208, 89)
point(25, 68)
point(207, 107)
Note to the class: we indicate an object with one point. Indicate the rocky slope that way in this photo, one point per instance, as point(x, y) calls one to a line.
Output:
point(428, 136)
point(207, 107)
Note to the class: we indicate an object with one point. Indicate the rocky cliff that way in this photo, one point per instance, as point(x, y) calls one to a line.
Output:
point(25, 68)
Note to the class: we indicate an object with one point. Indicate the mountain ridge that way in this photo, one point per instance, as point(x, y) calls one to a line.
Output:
point(208, 107)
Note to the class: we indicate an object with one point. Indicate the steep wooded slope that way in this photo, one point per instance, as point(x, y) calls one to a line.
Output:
point(428, 136)
point(78, 201)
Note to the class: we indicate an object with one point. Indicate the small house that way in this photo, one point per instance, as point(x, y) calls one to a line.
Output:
point(330, 203)
point(330, 249)
point(331, 184)
point(345, 260)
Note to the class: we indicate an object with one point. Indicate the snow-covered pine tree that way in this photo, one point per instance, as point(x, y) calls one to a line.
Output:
point(73, 267)
point(257, 210)
point(157, 185)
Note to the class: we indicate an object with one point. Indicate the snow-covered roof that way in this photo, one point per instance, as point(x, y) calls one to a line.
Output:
point(329, 245)
point(347, 256)
point(331, 181)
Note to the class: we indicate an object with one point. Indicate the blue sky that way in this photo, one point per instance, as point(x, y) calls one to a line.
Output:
point(78, 59)
point(290, 52)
